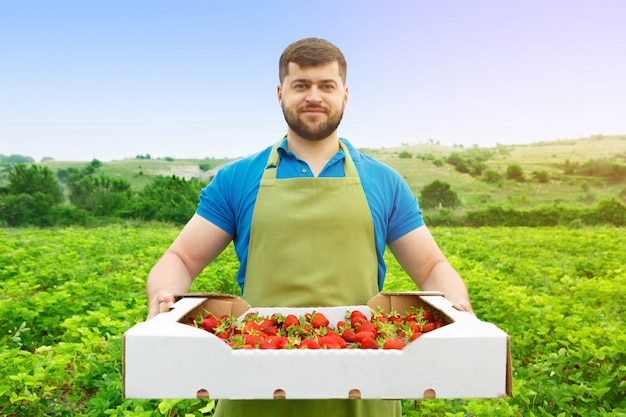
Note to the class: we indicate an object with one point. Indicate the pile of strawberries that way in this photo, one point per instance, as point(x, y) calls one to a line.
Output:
point(312, 330)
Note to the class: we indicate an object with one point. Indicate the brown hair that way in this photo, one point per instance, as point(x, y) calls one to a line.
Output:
point(310, 52)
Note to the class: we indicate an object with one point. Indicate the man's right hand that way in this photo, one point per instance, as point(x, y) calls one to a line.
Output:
point(162, 303)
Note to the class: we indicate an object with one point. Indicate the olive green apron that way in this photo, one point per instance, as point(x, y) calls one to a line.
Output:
point(311, 244)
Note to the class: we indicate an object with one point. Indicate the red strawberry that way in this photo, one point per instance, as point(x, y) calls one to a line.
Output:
point(428, 316)
point(328, 342)
point(366, 327)
point(210, 323)
point(252, 340)
point(394, 344)
point(252, 327)
point(428, 327)
point(360, 336)
point(281, 342)
point(309, 344)
point(291, 320)
point(368, 343)
point(357, 317)
point(415, 336)
point(318, 320)
point(348, 335)
point(268, 343)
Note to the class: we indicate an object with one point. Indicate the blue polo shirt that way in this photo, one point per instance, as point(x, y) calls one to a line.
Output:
point(228, 201)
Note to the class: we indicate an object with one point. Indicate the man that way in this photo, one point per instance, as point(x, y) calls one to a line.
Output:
point(310, 218)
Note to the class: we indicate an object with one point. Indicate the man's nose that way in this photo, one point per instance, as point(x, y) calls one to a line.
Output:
point(314, 95)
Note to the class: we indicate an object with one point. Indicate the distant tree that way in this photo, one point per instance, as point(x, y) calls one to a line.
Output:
point(492, 177)
point(16, 159)
point(35, 179)
point(101, 196)
point(515, 172)
point(405, 155)
point(438, 194)
point(168, 199)
point(30, 197)
point(541, 177)
point(72, 175)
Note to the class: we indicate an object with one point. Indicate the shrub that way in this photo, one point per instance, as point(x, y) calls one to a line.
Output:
point(168, 199)
point(35, 179)
point(515, 172)
point(492, 177)
point(541, 177)
point(438, 194)
point(102, 196)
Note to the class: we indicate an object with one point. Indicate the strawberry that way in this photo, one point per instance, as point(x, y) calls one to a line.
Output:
point(318, 320)
point(428, 316)
point(366, 327)
point(210, 323)
point(328, 342)
point(291, 320)
point(394, 344)
point(414, 336)
point(428, 327)
point(252, 340)
point(360, 336)
point(309, 343)
point(280, 342)
point(252, 327)
point(348, 335)
point(368, 343)
point(357, 317)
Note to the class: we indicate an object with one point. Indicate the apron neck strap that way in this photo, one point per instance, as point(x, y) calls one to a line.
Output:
point(349, 168)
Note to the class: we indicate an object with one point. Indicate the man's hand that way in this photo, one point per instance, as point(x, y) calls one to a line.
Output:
point(463, 305)
point(162, 303)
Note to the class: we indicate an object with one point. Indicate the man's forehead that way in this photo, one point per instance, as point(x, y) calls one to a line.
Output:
point(328, 70)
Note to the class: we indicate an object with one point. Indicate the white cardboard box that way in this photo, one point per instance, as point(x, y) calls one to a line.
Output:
point(164, 358)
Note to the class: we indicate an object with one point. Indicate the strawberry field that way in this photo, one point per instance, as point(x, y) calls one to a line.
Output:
point(68, 294)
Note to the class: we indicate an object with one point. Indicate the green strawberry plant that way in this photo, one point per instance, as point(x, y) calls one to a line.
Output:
point(68, 294)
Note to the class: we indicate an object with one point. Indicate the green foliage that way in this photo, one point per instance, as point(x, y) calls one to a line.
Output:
point(72, 175)
point(492, 177)
point(438, 194)
point(35, 180)
point(610, 211)
point(169, 199)
point(101, 196)
point(515, 172)
point(605, 168)
point(15, 159)
point(541, 177)
point(437, 161)
point(471, 162)
point(560, 295)
point(405, 155)
point(67, 296)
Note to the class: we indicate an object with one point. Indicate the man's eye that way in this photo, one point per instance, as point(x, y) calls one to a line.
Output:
point(328, 87)
point(299, 86)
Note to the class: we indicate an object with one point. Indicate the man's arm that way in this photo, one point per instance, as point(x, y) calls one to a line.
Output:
point(199, 243)
point(420, 256)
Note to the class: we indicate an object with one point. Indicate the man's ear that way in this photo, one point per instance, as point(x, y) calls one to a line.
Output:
point(279, 92)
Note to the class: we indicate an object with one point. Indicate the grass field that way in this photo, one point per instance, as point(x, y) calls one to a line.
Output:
point(67, 296)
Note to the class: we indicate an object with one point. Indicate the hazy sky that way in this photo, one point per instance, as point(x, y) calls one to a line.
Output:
point(112, 79)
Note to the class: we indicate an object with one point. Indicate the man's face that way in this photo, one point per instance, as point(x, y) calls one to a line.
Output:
point(313, 100)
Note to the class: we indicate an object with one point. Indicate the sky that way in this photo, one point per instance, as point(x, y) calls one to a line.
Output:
point(113, 79)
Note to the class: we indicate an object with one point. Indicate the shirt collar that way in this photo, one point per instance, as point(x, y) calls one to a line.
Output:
point(283, 151)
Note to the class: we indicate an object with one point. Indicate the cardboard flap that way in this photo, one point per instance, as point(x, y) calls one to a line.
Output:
point(218, 304)
point(399, 301)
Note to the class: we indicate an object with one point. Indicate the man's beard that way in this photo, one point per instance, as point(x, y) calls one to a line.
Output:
point(316, 131)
